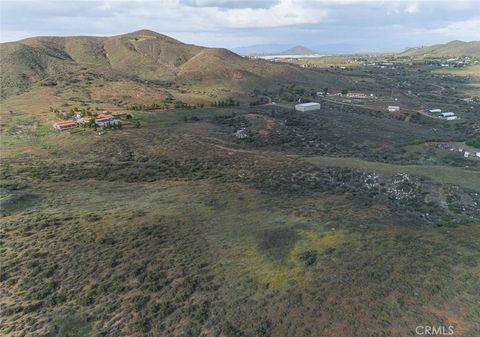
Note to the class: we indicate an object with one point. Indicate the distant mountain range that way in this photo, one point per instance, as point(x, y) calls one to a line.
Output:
point(294, 51)
point(450, 49)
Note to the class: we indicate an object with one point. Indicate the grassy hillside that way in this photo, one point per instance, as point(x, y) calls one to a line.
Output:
point(450, 49)
point(138, 56)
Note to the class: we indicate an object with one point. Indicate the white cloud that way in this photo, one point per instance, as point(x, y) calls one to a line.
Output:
point(233, 23)
point(104, 7)
point(285, 13)
point(467, 30)
point(412, 8)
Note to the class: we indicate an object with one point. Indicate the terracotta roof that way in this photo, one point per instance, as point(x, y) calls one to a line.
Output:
point(64, 123)
point(101, 116)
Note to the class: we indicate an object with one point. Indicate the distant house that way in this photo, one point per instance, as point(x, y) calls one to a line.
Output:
point(356, 95)
point(477, 154)
point(451, 118)
point(393, 108)
point(447, 114)
point(435, 111)
point(106, 120)
point(307, 106)
point(466, 154)
point(65, 125)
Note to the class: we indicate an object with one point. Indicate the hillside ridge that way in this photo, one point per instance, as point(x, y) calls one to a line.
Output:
point(140, 55)
point(455, 48)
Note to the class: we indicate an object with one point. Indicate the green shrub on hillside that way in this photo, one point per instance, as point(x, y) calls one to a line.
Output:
point(474, 141)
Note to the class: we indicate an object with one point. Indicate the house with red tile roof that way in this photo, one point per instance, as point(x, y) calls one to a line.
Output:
point(105, 120)
point(65, 125)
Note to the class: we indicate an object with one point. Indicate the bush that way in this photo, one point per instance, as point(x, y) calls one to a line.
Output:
point(474, 141)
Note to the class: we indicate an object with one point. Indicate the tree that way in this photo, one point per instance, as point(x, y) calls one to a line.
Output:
point(325, 91)
point(137, 124)
point(344, 91)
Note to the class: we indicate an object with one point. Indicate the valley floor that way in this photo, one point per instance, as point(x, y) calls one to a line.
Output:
point(177, 228)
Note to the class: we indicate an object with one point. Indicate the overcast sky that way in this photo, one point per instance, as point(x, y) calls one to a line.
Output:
point(323, 25)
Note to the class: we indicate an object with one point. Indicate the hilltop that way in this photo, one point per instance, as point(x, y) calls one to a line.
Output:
point(298, 50)
point(451, 49)
point(134, 57)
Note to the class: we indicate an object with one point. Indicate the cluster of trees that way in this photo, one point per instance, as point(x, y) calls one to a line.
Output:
point(163, 106)
point(92, 125)
point(227, 103)
point(147, 107)
point(474, 141)
point(62, 114)
point(72, 111)
point(183, 105)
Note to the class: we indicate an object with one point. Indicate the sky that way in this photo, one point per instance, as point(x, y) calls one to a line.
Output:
point(246, 26)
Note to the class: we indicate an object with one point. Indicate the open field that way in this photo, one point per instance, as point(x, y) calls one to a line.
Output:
point(472, 73)
point(177, 228)
point(182, 256)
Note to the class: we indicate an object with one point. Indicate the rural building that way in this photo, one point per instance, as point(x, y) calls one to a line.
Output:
point(356, 95)
point(307, 106)
point(466, 154)
point(451, 118)
point(106, 120)
point(477, 154)
point(393, 108)
point(83, 119)
point(447, 114)
point(435, 111)
point(65, 125)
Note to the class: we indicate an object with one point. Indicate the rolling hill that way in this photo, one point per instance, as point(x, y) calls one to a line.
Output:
point(451, 49)
point(139, 56)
